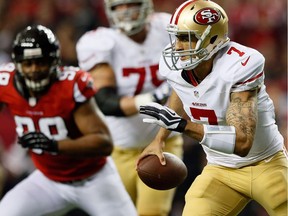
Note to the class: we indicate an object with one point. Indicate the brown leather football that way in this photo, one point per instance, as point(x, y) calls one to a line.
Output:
point(160, 177)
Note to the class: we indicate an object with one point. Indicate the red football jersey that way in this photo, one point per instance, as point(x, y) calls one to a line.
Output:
point(52, 114)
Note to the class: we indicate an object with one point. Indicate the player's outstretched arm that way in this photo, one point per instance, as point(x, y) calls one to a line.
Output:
point(112, 104)
point(238, 135)
point(241, 120)
point(96, 139)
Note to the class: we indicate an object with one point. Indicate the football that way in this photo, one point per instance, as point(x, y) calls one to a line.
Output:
point(162, 177)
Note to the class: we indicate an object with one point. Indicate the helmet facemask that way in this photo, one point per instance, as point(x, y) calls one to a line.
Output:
point(131, 20)
point(39, 81)
point(193, 56)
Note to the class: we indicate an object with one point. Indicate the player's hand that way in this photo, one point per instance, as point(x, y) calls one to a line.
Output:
point(37, 140)
point(162, 93)
point(163, 116)
point(154, 148)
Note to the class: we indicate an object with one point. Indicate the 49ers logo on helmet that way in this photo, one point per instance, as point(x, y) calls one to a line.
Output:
point(207, 16)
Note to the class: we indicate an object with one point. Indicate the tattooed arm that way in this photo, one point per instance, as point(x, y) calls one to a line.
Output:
point(242, 114)
point(236, 137)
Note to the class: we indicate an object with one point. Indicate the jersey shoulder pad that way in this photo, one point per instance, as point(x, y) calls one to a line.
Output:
point(7, 67)
point(7, 88)
point(83, 82)
point(160, 19)
point(241, 65)
point(7, 72)
point(95, 47)
point(163, 69)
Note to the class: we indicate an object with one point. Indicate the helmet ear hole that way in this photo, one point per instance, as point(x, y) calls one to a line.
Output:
point(213, 39)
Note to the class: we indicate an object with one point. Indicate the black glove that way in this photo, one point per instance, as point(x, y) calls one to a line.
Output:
point(163, 116)
point(37, 140)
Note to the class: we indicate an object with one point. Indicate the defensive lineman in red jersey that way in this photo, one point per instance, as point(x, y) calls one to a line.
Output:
point(58, 122)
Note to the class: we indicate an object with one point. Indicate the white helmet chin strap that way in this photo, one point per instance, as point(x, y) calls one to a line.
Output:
point(216, 48)
point(190, 63)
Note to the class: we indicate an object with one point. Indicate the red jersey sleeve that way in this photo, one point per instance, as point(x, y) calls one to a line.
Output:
point(83, 86)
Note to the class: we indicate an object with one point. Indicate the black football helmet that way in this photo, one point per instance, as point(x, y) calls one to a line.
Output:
point(36, 42)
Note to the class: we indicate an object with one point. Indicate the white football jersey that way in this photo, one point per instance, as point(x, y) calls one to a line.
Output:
point(136, 69)
point(236, 68)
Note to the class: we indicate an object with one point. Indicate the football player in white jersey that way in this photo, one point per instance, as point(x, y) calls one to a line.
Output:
point(123, 60)
point(220, 84)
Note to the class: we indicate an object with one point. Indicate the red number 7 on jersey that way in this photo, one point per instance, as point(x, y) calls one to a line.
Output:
point(202, 113)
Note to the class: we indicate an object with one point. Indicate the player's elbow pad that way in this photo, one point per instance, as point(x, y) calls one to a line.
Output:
point(109, 102)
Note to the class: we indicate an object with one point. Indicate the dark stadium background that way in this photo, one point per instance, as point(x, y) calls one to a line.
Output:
point(261, 24)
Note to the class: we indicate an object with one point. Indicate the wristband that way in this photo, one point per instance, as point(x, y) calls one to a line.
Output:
point(219, 138)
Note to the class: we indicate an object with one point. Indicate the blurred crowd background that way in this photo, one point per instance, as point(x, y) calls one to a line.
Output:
point(261, 24)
